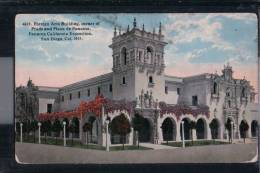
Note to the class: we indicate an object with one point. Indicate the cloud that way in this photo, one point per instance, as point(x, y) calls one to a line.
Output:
point(192, 27)
point(195, 42)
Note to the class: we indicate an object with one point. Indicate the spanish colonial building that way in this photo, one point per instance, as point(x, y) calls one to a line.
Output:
point(138, 86)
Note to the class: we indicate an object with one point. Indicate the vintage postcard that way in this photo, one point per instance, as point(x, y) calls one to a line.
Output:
point(136, 88)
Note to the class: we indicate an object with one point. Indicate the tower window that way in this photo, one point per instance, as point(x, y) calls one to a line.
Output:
point(149, 54)
point(229, 104)
point(124, 55)
point(178, 91)
point(150, 79)
point(228, 92)
point(110, 88)
point(49, 108)
point(215, 87)
point(70, 96)
point(88, 92)
point(99, 90)
point(62, 98)
point(79, 94)
point(166, 89)
point(194, 100)
point(123, 80)
point(140, 55)
point(243, 94)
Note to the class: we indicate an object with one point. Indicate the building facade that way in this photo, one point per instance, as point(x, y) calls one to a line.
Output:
point(163, 101)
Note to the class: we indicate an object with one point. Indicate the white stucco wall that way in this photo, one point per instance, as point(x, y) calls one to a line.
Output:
point(142, 82)
point(43, 102)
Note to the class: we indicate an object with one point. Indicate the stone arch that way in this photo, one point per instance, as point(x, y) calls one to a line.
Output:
point(95, 124)
point(215, 129)
point(254, 128)
point(146, 131)
point(114, 137)
point(115, 113)
point(187, 129)
point(169, 128)
point(201, 128)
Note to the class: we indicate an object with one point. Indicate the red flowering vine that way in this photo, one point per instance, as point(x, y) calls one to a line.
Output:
point(181, 109)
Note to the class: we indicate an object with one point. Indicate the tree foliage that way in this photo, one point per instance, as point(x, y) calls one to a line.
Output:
point(74, 127)
point(243, 127)
point(87, 127)
point(120, 126)
point(56, 128)
point(214, 128)
point(137, 122)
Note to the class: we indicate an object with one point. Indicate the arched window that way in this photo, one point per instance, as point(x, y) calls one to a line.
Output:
point(215, 88)
point(166, 89)
point(229, 104)
point(149, 51)
point(124, 55)
point(123, 80)
point(228, 92)
point(150, 79)
point(243, 93)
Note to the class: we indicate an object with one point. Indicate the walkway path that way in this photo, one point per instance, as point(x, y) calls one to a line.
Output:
point(156, 146)
point(229, 153)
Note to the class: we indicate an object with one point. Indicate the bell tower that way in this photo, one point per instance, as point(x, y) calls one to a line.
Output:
point(227, 72)
point(138, 62)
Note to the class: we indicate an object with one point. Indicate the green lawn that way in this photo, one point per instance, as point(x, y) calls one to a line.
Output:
point(76, 143)
point(195, 143)
point(128, 147)
point(59, 142)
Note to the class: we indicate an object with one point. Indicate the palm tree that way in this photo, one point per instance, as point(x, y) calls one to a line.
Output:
point(56, 128)
point(87, 127)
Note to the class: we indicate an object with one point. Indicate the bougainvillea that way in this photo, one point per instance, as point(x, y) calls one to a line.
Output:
point(120, 105)
point(181, 109)
point(93, 106)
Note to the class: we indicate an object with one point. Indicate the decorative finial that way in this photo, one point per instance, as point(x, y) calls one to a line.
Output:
point(143, 27)
point(115, 31)
point(160, 29)
point(228, 64)
point(127, 28)
point(134, 23)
